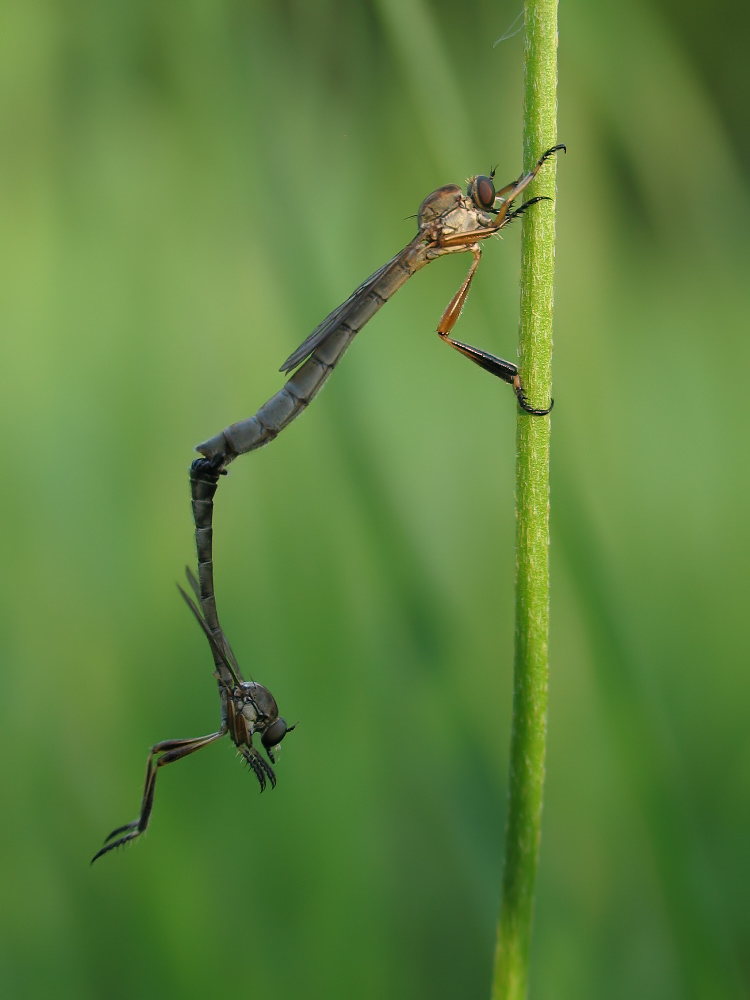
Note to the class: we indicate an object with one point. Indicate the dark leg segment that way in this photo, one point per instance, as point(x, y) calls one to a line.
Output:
point(170, 751)
point(512, 191)
point(258, 765)
point(504, 370)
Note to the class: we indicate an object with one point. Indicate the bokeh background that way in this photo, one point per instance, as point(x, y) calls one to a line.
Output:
point(187, 189)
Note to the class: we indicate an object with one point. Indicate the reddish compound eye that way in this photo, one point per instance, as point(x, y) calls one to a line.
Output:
point(483, 192)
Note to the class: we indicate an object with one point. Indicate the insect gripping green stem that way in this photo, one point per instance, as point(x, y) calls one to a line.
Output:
point(529, 727)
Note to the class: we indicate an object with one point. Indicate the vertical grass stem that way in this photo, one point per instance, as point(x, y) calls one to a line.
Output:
point(529, 726)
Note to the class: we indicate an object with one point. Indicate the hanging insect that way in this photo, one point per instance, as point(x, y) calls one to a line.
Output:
point(247, 708)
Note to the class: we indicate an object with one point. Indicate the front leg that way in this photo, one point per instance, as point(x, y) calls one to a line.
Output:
point(243, 740)
point(257, 764)
point(504, 370)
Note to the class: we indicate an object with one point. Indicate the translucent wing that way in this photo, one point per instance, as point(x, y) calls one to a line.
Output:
point(215, 647)
point(334, 320)
point(227, 648)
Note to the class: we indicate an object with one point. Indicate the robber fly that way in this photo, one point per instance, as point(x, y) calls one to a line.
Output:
point(449, 221)
point(247, 708)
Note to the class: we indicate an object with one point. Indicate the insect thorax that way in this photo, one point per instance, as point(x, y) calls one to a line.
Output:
point(256, 704)
point(450, 211)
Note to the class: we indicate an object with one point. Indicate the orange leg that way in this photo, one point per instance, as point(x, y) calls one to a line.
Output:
point(504, 370)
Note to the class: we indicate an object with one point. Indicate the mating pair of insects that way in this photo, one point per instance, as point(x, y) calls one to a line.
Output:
point(449, 221)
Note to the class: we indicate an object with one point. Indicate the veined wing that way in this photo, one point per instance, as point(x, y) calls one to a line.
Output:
point(212, 641)
point(339, 315)
point(233, 667)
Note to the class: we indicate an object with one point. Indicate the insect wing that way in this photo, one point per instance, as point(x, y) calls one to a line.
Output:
point(227, 648)
point(215, 648)
point(334, 320)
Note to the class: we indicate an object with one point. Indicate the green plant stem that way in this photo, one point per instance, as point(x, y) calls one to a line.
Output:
point(529, 726)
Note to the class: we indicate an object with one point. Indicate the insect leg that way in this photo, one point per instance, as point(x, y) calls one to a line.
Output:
point(258, 765)
point(167, 752)
point(511, 191)
point(243, 740)
point(504, 370)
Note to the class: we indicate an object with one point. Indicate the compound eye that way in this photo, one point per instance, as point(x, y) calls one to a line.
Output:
point(274, 734)
point(484, 192)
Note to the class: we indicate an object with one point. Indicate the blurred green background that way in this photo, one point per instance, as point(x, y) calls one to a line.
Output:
point(188, 188)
